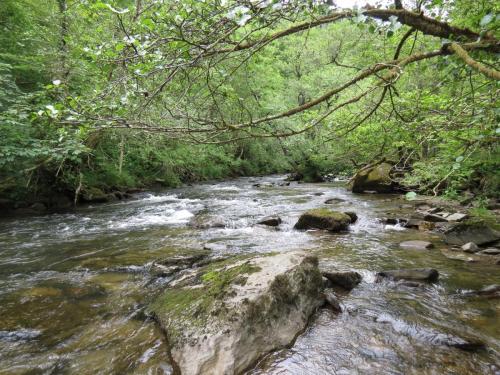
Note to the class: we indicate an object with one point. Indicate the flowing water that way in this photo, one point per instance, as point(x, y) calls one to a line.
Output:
point(73, 286)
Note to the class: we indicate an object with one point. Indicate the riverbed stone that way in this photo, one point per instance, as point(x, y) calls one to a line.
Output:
point(228, 315)
point(416, 274)
point(489, 291)
point(426, 225)
point(347, 280)
point(334, 200)
point(94, 195)
point(416, 245)
point(427, 216)
point(207, 221)
point(456, 217)
point(270, 221)
point(375, 178)
point(332, 301)
point(476, 231)
point(322, 218)
point(178, 262)
point(490, 251)
point(470, 247)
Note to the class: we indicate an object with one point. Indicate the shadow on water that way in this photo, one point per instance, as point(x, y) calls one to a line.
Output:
point(73, 286)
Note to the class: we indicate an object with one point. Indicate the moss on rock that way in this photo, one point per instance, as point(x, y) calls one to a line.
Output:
point(376, 178)
point(225, 316)
point(323, 218)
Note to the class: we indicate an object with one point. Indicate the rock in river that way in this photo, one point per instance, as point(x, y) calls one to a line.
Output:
point(416, 274)
point(229, 314)
point(375, 178)
point(332, 301)
point(270, 221)
point(334, 200)
point(352, 215)
point(322, 218)
point(470, 231)
point(347, 280)
point(416, 245)
point(470, 247)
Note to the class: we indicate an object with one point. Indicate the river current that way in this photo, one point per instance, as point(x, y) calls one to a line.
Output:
point(73, 286)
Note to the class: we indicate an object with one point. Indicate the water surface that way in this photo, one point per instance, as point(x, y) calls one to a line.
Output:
point(73, 286)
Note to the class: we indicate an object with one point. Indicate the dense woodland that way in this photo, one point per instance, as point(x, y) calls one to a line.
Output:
point(120, 94)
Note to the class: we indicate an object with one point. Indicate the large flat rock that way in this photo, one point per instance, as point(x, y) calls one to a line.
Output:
point(470, 231)
point(227, 315)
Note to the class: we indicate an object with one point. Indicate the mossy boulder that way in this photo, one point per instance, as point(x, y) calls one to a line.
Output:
point(473, 230)
point(322, 218)
point(94, 195)
point(225, 316)
point(375, 178)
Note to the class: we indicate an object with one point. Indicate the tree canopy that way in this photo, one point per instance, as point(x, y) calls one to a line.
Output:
point(122, 92)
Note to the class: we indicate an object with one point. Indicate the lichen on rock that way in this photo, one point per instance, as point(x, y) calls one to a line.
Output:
point(229, 314)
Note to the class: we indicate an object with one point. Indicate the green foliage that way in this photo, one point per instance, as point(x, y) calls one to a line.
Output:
point(70, 80)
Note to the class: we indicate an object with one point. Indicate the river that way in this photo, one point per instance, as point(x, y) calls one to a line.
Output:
point(73, 286)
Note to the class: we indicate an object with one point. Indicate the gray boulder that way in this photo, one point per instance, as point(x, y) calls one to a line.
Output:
point(375, 179)
point(470, 247)
point(470, 231)
point(332, 301)
point(228, 315)
point(347, 280)
point(322, 218)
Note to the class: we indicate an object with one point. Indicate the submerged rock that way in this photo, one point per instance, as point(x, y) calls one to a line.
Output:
point(470, 231)
point(207, 221)
point(347, 280)
point(376, 178)
point(416, 274)
point(416, 245)
point(322, 218)
point(334, 200)
point(222, 320)
point(271, 221)
point(169, 266)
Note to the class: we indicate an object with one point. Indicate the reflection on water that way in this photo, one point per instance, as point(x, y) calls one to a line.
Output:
point(73, 286)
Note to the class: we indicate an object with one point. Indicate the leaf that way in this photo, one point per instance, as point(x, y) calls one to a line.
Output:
point(459, 159)
point(411, 195)
point(486, 19)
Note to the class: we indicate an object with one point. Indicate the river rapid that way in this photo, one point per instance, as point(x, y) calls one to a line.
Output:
point(73, 286)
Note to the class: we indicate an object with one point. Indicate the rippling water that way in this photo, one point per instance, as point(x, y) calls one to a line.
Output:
point(73, 286)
